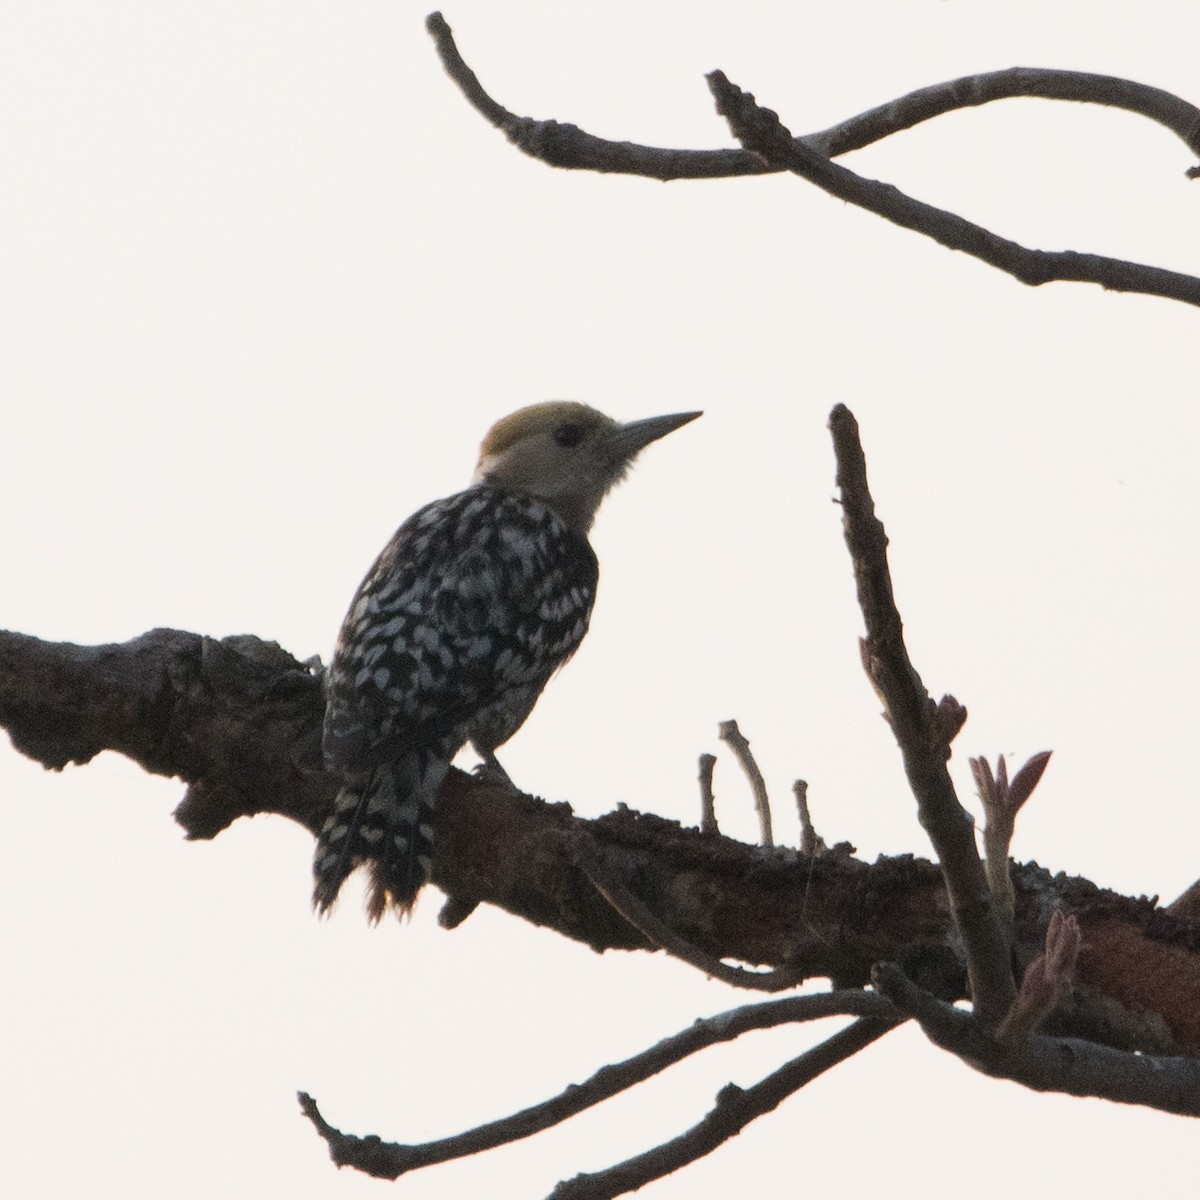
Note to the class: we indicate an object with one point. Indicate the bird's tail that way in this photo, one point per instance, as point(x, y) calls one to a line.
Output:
point(385, 819)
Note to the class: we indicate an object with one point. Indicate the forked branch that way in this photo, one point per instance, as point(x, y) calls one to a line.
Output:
point(564, 145)
point(390, 1160)
point(760, 130)
point(735, 1108)
point(769, 147)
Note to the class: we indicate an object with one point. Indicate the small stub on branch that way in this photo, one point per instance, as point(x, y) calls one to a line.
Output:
point(811, 842)
point(708, 803)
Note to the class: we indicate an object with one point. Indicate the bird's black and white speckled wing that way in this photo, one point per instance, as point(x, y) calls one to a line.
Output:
point(467, 612)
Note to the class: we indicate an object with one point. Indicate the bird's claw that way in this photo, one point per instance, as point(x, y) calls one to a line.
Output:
point(490, 771)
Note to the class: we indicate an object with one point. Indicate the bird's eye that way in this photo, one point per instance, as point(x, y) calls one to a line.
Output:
point(568, 434)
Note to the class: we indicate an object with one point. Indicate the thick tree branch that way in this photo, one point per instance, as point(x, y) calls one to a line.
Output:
point(923, 732)
point(760, 130)
point(390, 1160)
point(1169, 1083)
point(238, 719)
point(564, 145)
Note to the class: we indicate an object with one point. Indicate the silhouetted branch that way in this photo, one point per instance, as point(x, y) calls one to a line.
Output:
point(390, 1160)
point(1169, 1083)
point(564, 145)
point(760, 130)
point(735, 1108)
point(770, 147)
point(923, 730)
point(1041, 83)
point(239, 720)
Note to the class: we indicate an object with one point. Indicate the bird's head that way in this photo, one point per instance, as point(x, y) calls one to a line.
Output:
point(566, 454)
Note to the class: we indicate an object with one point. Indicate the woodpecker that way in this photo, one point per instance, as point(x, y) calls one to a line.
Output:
point(471, 607)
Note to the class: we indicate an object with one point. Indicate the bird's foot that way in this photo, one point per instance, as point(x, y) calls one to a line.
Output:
point(490, 771)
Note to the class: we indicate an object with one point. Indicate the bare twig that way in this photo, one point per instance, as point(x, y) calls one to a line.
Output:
point(1177, 115)
point(708, 803)
point(1001, 802)
point(661, 935)
point(1169, 1083)
point(735, 1108)
point(760, 130)
point(733, 737)
point(769, 147)
point(811, 842)
point(565, 145)
point(390, 1160)
point(562, 145)
point(922, 730)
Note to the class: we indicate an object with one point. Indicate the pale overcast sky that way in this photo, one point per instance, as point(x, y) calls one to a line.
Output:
point(268, 279)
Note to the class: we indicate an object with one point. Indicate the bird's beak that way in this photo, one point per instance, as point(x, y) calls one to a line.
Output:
point(628, 439)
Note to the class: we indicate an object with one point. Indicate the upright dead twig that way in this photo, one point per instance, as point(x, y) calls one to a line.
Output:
point(564, 145)
point(733, 737)
point(708, 803)
point(811, 842)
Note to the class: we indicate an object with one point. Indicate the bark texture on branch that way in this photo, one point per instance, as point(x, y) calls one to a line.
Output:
point(238, 721)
